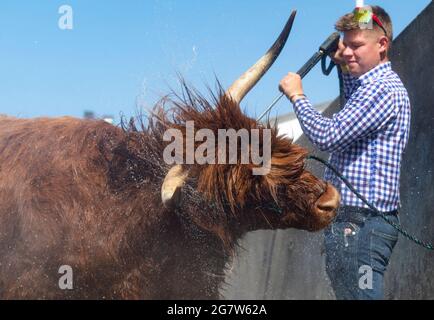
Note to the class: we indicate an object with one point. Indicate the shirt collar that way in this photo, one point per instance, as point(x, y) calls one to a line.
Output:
point(375, 73)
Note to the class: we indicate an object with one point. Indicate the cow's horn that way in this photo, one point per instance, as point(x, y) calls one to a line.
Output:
point(172, 184)
point(247, 81)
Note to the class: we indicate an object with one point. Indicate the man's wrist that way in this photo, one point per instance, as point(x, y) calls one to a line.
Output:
point(344, 68)
point(296, 96)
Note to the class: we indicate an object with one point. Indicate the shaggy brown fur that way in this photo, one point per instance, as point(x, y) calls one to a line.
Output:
point(85, 193)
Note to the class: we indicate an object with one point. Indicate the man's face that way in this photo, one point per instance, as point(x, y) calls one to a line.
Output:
point(364, 50)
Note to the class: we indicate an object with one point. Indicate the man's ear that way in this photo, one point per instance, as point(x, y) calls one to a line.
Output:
point(384, 44)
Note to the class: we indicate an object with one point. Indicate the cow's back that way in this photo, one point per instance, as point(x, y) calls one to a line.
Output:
point(53, 200)
point(87, 195)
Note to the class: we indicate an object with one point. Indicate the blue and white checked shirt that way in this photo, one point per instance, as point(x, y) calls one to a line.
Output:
point(366, 138)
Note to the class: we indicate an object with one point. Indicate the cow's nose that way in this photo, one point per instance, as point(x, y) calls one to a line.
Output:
point(327, 205)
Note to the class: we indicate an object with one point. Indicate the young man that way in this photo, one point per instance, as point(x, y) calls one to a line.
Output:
point(366, 140)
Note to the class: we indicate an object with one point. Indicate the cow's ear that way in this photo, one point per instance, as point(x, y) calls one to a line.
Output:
point(171, 190)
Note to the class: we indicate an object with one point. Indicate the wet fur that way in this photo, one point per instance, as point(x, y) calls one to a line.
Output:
point(85, 193)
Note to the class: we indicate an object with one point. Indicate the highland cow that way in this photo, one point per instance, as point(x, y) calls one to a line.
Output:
point(100, 199)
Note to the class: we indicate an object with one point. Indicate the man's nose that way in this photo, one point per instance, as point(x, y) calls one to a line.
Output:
point(347, 52)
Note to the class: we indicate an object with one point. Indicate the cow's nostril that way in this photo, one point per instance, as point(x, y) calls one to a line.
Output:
point(329, 200)
point(327, 206)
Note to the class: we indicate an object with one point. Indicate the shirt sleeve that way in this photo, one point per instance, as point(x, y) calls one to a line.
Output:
point(365, 112)
point(349, 83)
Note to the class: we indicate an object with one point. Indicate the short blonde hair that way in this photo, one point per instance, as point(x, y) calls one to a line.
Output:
point(348, 22)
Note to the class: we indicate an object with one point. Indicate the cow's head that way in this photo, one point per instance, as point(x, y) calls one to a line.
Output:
point(287, 195)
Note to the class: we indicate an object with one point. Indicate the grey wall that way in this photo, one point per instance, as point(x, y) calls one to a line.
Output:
point(411, 273)
point(289, 264)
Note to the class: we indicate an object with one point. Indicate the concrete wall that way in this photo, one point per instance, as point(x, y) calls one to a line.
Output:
point(411, 273)
point(289, 264)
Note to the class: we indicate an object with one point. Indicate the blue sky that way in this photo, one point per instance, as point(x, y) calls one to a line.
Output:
point(121, 56)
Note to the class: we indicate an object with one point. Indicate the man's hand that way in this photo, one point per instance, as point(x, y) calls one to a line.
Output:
point(337, 56)
point(291, 86)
